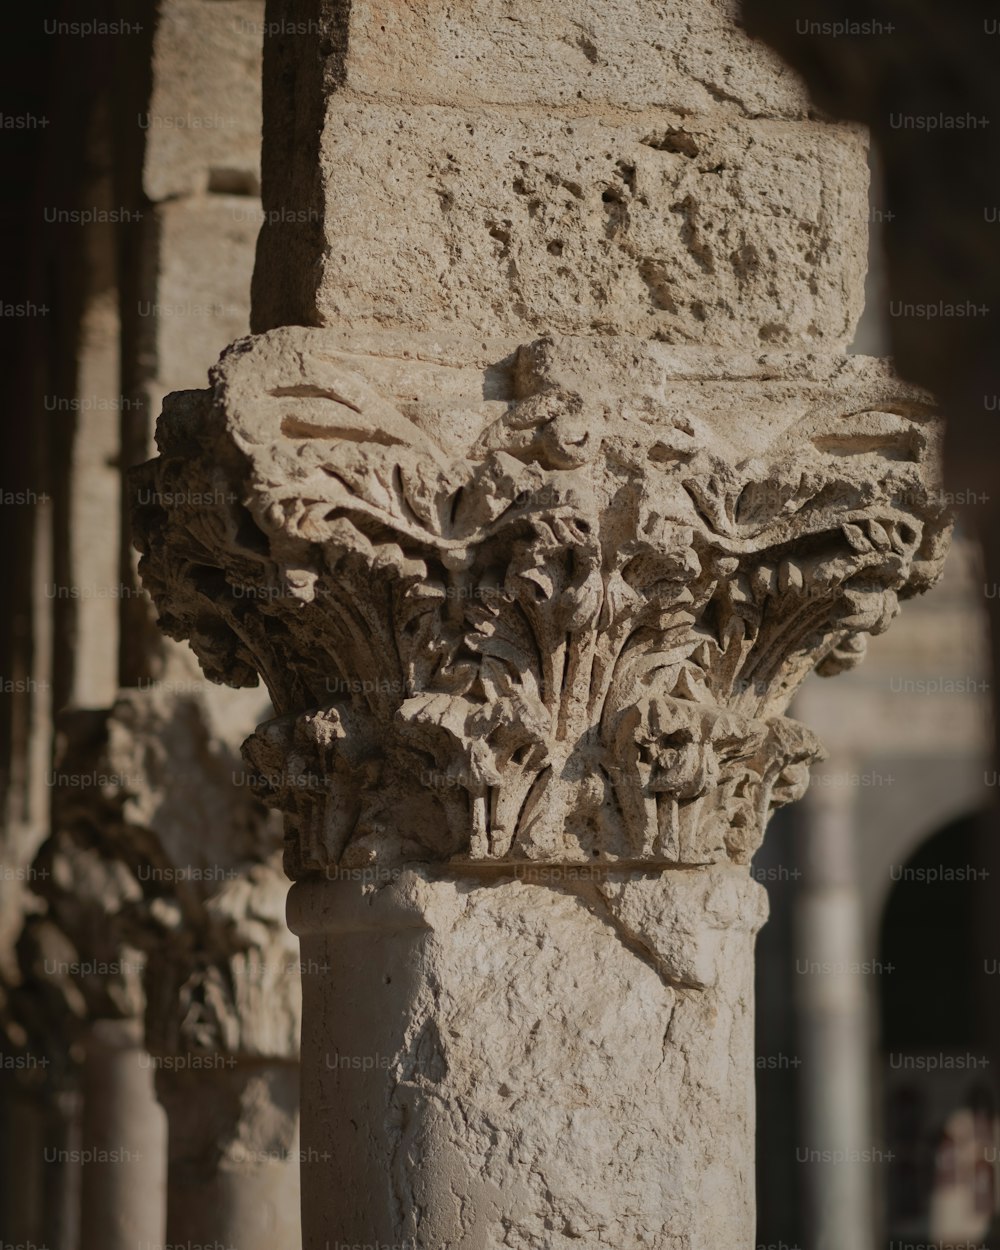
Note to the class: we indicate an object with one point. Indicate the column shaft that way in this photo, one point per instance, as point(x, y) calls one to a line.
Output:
point(540, 490)
point(124, 1199)
point(234, 1159)
point(838, 1145)
point(485, 1055)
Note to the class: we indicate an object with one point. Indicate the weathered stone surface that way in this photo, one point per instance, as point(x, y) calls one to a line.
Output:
point(640, 169)
point(570, 641)
point(682, 57)
point(530, 613)
point(690, 232)
point(923, 79)
point(535, 1040)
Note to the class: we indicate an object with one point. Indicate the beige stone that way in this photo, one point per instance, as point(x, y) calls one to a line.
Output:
point(222, 967)
point(181, 879)
point(698, 232)
point(680, 57)
point(124, 1201)
point(531, 541)
point(233, 1155)
point(575, 611)
point(531, 537)
point(205, 248)
point(202, 127)
point(515, 1066)
point(628, 169)
point(530, 637)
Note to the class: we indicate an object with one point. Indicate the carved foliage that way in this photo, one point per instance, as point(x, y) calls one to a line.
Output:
point(573, 640)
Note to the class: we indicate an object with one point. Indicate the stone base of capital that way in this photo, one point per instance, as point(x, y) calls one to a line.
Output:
point(517, 1059)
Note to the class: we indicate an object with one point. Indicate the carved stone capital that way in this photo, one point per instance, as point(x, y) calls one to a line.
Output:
point(556, 616)
point(165, 873)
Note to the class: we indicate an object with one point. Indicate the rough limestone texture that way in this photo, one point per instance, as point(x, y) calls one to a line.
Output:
point(530, 617)
point(922, 79)
point(534, 499)
point(927, 87)
point(627, 54)
point(516, 169)
point(704, 231)
point(544, 1063)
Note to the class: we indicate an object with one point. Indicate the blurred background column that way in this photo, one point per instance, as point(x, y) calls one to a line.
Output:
point(123, 1202)
point(234, 1158)
point(837, 1140)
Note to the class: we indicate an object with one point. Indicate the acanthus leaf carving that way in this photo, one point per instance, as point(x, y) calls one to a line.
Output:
point(573, 640)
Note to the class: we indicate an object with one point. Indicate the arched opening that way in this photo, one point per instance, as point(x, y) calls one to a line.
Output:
point(939, 1094)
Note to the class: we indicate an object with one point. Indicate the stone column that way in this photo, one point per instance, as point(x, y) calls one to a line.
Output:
point(63, 1169)
point(166, 871)
point(224, 1032)
point(91, 896)
point(41, 1018)
point(124, 1194)
point(528, 735)
point(833, 1004)
point(544, 1053)
point(222, 977)
point(531, 536)
point(234, 1160)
